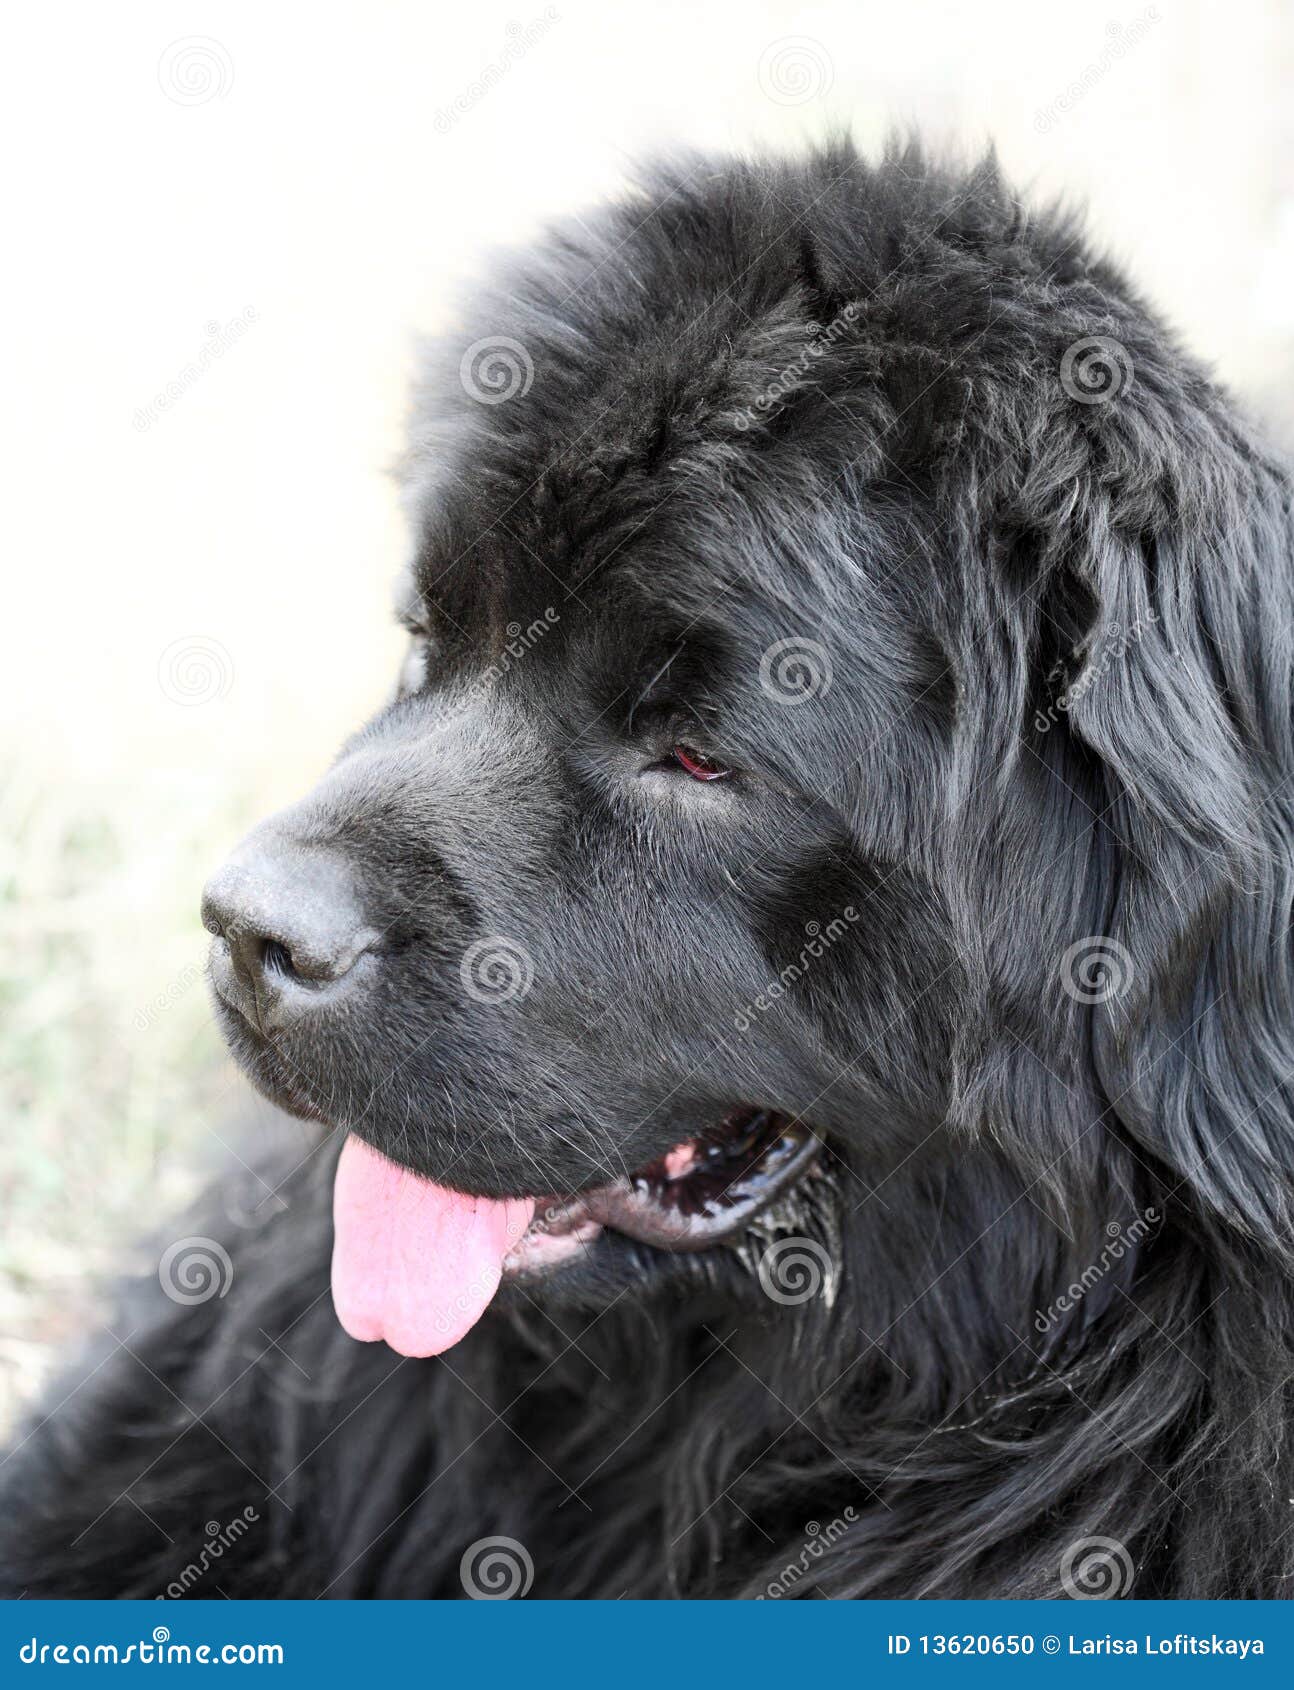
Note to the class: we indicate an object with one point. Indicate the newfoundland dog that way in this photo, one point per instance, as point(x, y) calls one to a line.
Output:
point(795, 986)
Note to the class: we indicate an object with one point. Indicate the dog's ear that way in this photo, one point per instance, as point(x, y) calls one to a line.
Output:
point(1192, 728)
point(1136, 679)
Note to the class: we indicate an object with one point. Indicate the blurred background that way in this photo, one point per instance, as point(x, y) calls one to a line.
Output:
point(227, 225)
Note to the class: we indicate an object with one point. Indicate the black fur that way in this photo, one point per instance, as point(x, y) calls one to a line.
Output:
point(833, 402)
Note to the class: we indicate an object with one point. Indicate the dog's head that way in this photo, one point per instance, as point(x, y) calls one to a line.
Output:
point(842, 727)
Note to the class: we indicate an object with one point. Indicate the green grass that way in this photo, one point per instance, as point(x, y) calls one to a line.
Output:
point(110, 1065)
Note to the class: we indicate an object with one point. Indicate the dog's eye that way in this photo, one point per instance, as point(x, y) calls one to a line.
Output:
point(698, 766)
point(413, 671)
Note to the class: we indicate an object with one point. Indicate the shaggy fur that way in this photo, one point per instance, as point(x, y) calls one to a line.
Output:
point(840, 403)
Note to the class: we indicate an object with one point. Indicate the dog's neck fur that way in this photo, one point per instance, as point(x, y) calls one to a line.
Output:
point(920, 1436)
point(901, 1395)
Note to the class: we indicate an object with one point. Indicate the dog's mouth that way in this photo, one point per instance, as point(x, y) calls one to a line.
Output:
point(417, 1264)
point(699, 1194)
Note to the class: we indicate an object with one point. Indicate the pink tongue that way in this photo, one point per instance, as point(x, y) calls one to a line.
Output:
point(412, 1262)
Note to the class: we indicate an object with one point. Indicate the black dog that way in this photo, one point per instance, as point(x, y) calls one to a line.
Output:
point(822, 892)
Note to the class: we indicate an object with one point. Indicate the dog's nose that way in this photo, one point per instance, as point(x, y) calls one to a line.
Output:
point(292, 929)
